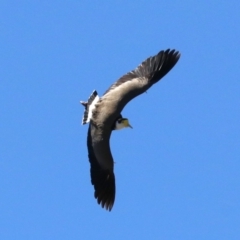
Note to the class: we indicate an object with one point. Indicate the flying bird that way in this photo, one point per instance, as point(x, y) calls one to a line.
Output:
point(104, 115)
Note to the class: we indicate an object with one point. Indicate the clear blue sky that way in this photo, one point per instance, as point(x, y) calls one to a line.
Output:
point(177, 170)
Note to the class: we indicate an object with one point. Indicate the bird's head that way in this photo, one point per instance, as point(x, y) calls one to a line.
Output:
point(122, 123)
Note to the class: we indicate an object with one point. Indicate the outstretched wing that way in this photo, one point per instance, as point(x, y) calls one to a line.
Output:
point(142, 78)
point(101, 161)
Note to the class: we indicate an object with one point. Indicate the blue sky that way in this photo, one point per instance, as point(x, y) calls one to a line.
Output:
point(177, 170)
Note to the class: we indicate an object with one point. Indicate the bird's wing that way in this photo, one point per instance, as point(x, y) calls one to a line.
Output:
point(100, 158)
point(142, 78)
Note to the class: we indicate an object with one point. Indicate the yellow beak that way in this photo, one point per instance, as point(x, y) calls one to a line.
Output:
point(128, 124)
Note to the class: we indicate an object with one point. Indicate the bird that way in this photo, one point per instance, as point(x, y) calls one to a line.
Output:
point(104, 116)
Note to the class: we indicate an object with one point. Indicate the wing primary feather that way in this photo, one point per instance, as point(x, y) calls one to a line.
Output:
point(153, 68)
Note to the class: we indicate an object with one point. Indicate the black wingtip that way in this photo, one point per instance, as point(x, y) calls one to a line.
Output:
point(104, 185)
point(159, 65)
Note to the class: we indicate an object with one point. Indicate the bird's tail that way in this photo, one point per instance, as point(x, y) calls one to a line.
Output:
point(89, 107)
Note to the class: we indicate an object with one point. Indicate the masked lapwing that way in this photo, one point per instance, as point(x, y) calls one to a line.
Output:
point(104, 115)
